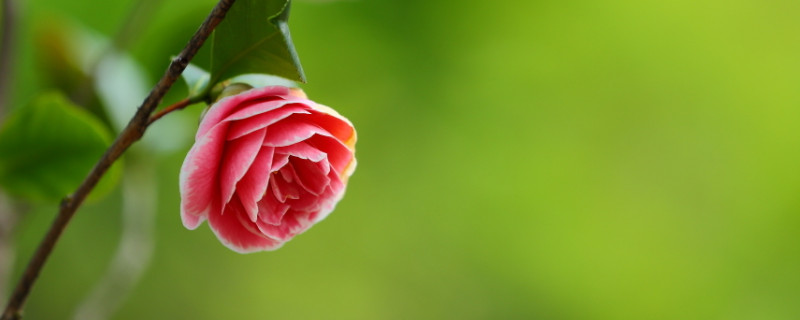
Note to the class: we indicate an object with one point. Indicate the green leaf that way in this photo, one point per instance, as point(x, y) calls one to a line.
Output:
point(47, 148)
point(196, 80)
point(254, 38)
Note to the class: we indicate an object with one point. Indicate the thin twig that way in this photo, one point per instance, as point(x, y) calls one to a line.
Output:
point(133, 132)
point(174, 107)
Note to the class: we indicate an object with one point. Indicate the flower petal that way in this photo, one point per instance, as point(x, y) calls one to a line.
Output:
point(228, 105)
point(292, 224)
point(333, 123)
point(279, 160)
point(254, 184)
point(302, 150)
point(283, 190)
point(339, 155)
point(248, 125)
point(307, 202)
point(290, 131)
point(198, 177)
point(239, 154)
point(236, 232)
point(310, 176)
point(270, 210)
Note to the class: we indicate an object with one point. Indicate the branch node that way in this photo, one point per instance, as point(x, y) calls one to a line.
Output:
point(66, 202)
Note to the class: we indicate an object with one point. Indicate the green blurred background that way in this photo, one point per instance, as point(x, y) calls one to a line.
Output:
point(612, 159)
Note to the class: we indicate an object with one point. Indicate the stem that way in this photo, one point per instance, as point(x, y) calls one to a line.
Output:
point(133, 132)
point(176, 106)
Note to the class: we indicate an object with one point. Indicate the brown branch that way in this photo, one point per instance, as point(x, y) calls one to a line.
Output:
point(133, 132)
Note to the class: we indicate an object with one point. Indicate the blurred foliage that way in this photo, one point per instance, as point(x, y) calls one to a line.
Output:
point(48, 147)
point(517, 160)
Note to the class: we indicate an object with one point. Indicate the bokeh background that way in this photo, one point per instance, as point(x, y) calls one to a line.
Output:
point(611, 159)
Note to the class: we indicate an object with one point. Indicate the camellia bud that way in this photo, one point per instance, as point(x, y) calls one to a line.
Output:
point(267, 164)
point(231, 90)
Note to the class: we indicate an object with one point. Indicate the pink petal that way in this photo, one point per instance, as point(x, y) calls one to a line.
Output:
point(254, 184)
point(325, 166)
point(292, 224)
point(198, 177)
point(191, 221)
point(327, 204)
point(270, 210)
point(290, 131)
point(279, 161)
point(339, 155)
point(224, 107)
point(236, 232)
point(258, 108)
point(336, 125)
point(248, 125)
point(283, 190)
point(336, 185)
point(310, 176)
point(238, 156)
point(302, 150)
point(307, 202)
point(287, 173)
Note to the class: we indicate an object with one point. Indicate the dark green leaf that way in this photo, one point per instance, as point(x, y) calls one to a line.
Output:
point(47, 148)
point(254, 38)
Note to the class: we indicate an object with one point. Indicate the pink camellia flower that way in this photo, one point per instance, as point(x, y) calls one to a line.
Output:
point(266, 165)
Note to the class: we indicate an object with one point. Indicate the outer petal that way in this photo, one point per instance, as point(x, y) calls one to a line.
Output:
point(327, 205)
point(262, 120)
point(198, 177)
point(226, 106)
point(292, 224)
point(291, 131)
point(338, 126)
point(239, 234)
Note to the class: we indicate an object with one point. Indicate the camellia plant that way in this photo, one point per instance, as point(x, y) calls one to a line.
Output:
point(267, 162)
